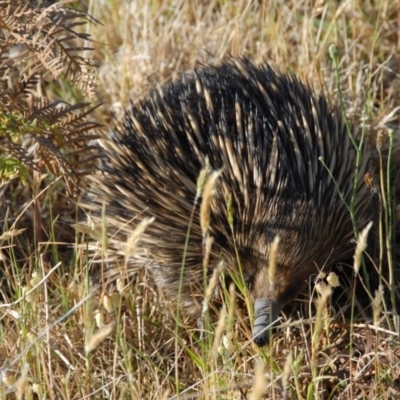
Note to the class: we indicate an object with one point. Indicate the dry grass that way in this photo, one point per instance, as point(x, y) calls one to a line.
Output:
point(60, 338)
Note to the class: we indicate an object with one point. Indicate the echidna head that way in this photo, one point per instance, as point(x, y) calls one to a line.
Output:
point(272, 287)
point(270, 298)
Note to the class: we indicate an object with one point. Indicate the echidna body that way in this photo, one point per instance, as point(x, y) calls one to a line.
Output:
point(266, 133)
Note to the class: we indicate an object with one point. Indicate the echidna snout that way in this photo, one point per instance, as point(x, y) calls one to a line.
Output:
point(266, 132)
point(265, 314)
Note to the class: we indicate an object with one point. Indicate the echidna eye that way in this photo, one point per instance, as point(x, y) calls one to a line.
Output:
point(249, 281)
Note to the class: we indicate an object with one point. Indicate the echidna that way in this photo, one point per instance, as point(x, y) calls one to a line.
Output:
point(267, 133)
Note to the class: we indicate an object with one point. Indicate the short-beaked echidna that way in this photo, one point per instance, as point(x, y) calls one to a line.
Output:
point(266, 133)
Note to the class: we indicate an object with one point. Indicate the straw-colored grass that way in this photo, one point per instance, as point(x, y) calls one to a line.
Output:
point(61, 337)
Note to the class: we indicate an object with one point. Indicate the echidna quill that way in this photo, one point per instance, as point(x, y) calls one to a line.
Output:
point(266, 133)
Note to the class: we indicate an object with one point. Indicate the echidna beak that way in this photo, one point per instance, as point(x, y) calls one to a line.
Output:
point(265, 314)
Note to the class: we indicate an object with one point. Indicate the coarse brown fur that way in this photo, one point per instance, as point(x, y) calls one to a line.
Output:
point(267, 133)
